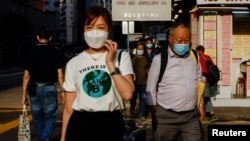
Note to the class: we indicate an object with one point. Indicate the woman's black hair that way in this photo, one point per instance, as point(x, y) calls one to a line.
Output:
point(96, 11)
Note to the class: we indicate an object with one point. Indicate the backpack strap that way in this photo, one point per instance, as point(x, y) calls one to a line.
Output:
point(119, 58)
point(164, 60)
point(194, 56)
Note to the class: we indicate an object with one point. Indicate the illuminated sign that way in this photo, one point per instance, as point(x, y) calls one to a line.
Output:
point(141, 10)
point(200, 2)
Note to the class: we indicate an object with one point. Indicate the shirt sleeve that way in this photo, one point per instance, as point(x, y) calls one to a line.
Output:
point(126, 64)
point(69, 83)
point(153, 75)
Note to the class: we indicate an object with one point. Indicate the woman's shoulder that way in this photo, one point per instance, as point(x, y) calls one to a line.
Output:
point(77, 57)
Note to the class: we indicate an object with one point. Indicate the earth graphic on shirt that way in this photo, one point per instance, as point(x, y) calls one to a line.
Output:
point(96, 83)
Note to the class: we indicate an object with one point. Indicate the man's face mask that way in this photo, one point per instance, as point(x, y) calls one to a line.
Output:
point(149, 45)
point(140, 52)
point(95, 38)
point(181, 49)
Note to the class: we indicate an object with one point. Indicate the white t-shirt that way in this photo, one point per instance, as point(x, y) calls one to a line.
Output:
point(92, 82)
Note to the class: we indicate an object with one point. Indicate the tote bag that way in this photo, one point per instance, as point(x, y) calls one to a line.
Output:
point(24, 126)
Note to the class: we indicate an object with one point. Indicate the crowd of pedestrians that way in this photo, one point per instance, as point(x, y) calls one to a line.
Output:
point(96, 82)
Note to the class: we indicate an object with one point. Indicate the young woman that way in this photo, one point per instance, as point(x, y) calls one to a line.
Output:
point(95, 86)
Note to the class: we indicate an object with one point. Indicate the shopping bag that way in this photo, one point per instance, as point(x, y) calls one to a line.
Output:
point(201, 88)
point(24, 126)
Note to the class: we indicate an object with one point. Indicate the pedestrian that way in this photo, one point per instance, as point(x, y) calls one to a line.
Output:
point(150, 49)
point(95, 85)
point(43, 68)
point(207, 92)
point(140, 67)
point(174, 101)
point(150, 53)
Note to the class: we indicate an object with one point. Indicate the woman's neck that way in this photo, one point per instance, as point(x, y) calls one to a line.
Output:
point(95, 51)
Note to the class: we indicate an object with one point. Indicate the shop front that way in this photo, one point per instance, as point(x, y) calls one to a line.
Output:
point(223, 27)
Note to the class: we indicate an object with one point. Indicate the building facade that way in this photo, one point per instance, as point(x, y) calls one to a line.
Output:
point(20, 19)
point(222, 26)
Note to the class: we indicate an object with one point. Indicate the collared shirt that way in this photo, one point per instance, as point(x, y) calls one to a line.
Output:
point(178, 88)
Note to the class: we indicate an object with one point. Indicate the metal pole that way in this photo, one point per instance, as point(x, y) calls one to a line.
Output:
point(128, 38)
point(104, 3)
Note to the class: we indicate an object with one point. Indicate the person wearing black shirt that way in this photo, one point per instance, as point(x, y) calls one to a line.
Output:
point(43, 68)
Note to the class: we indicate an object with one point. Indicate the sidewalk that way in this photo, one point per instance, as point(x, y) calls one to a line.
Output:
point(11, 101)
point(12, 98)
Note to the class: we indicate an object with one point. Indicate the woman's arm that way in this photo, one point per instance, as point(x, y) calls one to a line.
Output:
point(67, 112)
point(124, 84)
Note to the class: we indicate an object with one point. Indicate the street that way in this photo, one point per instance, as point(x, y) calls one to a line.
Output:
point(10, 109)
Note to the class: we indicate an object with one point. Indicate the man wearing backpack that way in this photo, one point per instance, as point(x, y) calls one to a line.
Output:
point(174, 98)
point(205, 61)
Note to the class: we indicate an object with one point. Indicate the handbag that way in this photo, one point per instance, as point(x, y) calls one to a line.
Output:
point(24, 126)
point(132, 131)
point(200, 91)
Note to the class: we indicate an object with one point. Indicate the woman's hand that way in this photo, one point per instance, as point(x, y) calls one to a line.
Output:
point(112, 49)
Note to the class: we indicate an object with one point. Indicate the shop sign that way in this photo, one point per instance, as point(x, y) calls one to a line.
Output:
point(202, 2)
point(141, 10)
point(161, 37)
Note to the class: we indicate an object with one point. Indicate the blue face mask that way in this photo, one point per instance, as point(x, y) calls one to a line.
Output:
point(181, 49)
point(149, 45)
point(140, 52)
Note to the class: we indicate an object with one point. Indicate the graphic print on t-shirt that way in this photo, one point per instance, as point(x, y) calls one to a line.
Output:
point(96, 83)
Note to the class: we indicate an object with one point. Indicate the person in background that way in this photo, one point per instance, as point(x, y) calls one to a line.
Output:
point(43, 68)
point(150, 53)
point(150, 49)
point(174, 101)
point(95, 86)
point(207, 97)
point(140, 67)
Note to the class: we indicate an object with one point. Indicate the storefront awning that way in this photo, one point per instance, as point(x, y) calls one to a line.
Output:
point(218, 8)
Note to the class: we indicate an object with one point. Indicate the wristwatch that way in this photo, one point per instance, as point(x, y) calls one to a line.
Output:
point(116, 71)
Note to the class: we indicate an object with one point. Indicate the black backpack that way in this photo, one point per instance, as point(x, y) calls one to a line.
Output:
point(213, 73)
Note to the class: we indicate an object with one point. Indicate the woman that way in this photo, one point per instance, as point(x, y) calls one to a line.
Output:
point(94, 85)
point(209, 91)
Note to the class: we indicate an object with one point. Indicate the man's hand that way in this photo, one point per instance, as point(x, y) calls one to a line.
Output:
point(152, 108)
point(202, 112)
